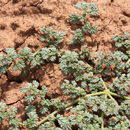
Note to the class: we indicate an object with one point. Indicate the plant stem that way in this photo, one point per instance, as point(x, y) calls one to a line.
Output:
point(102, 125)
point(103, 84)
point(116, 95)
point(113, 99)
point(68, 106)
point(49, 116)
point(95, 94)
point(128, 61)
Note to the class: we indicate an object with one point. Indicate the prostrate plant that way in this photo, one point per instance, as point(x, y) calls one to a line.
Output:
point(49, 54)
point(88, 111)
point(96, 85)
point(25, 59)
point(78, 37)
point(84, 53)
point(9, 115)
point(119, 122)
point(88, 9)
point(52, 37)
point(106, 105)
point(121, 85)
point(122, 40)
point(89, 29)
point(110, 65)
point(70, 63)
point(106, 64)
point(34, 94)
point(77, 18)
point(83, 114)
point(116, 64)
point(120, 55)
point(89, 82)
point(72, 89)
point(31, 113)
point(7, 59)
point(86, 27)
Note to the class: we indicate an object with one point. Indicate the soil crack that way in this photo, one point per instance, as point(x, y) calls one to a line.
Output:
point(36, 4)
point(12, 103)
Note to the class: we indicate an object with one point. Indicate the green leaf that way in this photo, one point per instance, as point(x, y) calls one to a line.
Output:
point(78, 37)
point(81, 5)
point(19, 66)
point(64, 122)
point(30, 98)
point(118, 44)
point(76, 18)
point(88, 28)
point(51, 36)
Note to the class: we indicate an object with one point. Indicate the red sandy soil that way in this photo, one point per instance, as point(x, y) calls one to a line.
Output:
point(20, 25)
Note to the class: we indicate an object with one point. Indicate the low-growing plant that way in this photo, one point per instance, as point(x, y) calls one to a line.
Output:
point(121, 85)
point(71, 63)
point(110, 65)
point(72, 89)
point(84, 52)
point(52, 37)
point(88, 9)
point(86, 27)
point(9, 115)
point(77, 18)
point(7, 59)
point(79, 34)
point(96, 110)
point(78, 37)
point(90, 101)
point(89, 29)
point(25, 59)
point(122, 40)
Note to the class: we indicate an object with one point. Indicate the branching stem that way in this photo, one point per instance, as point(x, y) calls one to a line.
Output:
point(102, 125)
point(68, 106)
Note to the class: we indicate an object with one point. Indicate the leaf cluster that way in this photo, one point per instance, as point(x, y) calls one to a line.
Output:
point(51, 37)
point(25, 59)
point(9, 115)
point(88, 9)
point(122, 40)
point(86, 27)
